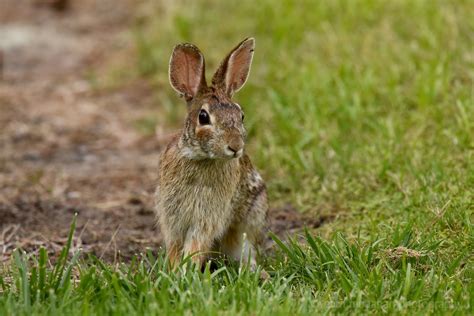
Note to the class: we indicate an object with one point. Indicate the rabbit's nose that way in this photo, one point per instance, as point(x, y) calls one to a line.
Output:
point(234, 146)
point(232, 149)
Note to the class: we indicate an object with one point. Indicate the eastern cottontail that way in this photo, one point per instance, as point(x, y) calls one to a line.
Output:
point(209, 196)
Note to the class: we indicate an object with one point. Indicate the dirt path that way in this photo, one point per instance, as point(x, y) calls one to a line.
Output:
point(67, 148)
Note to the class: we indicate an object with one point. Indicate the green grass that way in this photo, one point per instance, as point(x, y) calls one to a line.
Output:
point(322, 276)
point(361, 109)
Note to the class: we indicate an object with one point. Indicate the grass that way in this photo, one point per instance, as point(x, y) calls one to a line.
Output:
point(322, 276)
point(362, 109)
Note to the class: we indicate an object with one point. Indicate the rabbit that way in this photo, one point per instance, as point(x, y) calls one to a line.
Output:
point(209, 197)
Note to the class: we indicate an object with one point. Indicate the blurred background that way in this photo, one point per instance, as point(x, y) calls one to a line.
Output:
point(360, 113)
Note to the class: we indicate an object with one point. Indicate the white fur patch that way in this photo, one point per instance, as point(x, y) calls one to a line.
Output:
point(188, 153)
point(255, 180)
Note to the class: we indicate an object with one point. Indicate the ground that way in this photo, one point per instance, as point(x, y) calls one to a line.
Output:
point(70, 147)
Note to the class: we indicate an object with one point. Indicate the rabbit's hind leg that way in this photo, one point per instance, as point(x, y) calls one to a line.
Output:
point(242, 237)
point(237, 245)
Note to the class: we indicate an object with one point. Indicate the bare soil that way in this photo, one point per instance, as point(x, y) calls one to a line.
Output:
point(67, 147)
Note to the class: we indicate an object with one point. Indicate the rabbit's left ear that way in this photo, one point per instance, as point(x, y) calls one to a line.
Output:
point(234, 69)
point(186, 70)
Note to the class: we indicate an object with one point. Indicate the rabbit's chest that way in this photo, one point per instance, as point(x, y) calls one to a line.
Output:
point(200, 198)
point(204, 197)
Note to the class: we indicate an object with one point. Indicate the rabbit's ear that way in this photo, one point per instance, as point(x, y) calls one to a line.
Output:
point(234, 69)
point(186, 70)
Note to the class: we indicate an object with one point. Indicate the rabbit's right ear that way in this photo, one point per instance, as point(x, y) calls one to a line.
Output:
point(234, 69)
point(186, 70)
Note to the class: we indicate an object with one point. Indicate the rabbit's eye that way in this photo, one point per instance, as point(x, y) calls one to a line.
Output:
point(243, 116)
point(204, 118)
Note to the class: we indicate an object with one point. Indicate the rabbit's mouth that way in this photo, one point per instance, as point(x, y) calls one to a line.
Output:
point(233, 153)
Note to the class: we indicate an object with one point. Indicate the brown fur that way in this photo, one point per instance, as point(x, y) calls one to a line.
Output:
point(209, 197)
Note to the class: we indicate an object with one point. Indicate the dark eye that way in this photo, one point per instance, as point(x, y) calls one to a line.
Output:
point(243, 116)
point(204, 118)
